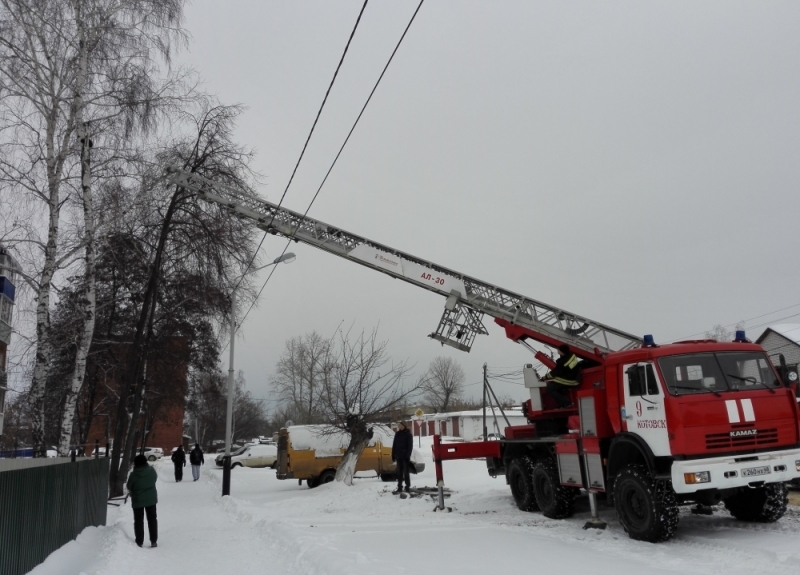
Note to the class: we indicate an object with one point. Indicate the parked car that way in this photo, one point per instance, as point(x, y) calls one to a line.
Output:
point(252, 456)
point(153, 453)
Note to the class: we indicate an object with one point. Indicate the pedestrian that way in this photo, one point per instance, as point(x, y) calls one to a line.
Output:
point(179, 459)
point(144, 497)
point(196, 459)
point(402, 447)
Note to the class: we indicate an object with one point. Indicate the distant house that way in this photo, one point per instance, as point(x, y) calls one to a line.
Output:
point(467, 425)
point(782, 339)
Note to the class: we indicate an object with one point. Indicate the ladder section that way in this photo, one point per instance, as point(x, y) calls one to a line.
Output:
point(468, 299)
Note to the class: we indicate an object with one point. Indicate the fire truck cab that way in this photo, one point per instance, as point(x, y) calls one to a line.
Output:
point(655, 427)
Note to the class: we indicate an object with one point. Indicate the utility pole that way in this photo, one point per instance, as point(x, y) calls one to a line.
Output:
point(226, 461)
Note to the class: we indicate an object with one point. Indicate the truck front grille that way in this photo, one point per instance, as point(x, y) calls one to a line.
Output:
point(725, 441)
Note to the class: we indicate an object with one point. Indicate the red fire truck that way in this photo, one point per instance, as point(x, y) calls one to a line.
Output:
point(651, 427)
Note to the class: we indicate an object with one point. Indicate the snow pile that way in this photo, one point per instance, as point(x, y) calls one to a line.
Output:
point(276, 526)
point(326, 441)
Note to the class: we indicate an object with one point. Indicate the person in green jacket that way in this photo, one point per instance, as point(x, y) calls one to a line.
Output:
point(142, 489)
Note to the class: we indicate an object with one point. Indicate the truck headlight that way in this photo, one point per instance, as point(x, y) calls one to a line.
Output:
point(699, 477)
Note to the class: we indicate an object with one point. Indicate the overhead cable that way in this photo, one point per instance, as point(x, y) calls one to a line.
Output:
point(350, 133)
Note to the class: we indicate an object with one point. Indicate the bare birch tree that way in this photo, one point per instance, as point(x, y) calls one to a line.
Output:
point(58, 61)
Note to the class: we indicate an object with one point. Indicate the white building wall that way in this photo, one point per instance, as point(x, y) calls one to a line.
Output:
point(776, 344)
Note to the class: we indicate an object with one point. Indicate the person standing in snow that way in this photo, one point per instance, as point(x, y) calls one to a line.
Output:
point(196, 459)
point(144, 497)
point(179, 459)
point(402, 447)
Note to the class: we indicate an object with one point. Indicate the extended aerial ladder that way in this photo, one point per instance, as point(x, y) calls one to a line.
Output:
point(650, 427)
point(468, 299)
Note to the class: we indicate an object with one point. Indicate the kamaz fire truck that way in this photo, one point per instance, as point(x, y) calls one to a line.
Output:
point(651, 427)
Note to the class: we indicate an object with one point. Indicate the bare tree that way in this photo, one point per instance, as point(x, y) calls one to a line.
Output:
point(443, 384)
point(64, 67)
point(721, 333)
point(204, 241)
point(301, 375)
point(363, 386)
point(207, 409)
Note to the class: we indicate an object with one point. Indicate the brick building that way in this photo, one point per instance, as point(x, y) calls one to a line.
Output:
point(161, 418)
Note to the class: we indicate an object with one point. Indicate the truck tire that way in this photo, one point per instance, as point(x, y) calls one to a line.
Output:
point(387, 477)
point(647, 509)
point(520, 478)
point(554, 500)
point(326, 476)
point(764, 504)
point(312, 482)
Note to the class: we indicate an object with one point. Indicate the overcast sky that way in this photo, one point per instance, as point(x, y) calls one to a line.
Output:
point(633, 162)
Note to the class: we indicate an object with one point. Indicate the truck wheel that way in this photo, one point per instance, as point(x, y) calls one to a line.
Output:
point(312, 482)
point(555, 500)
point(387, 477)
point(326, 476)
point(520, 479)
point(647, 509)
point(764, 504)
point(151, 458)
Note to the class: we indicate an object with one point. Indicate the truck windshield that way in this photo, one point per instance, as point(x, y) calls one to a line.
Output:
point(717, 372)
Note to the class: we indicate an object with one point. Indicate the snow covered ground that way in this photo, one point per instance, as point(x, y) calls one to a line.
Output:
point(271, 526)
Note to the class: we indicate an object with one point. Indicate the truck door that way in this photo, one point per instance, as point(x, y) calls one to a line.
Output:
point(644, 412)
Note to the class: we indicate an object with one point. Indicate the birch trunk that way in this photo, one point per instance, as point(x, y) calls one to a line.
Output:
point(56, 154)
point(89, 297)
point(347, 468)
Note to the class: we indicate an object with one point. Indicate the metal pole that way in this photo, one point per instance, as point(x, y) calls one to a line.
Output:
point(439, 474)
point(484, 403)
point(226, 465)
point(595, 522)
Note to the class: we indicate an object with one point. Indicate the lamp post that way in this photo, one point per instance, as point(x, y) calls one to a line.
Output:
point(226, 460)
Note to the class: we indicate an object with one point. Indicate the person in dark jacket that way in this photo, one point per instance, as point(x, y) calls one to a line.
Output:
point(196, 459)
point(402, 446)
point(179, 459)
point(563, 376)
point(144, 497)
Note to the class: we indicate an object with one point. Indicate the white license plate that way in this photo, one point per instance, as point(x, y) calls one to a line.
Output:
point(753, 471)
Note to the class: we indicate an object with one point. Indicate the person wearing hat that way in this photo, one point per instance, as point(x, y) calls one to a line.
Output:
point(563, 376)
point(402, 446)
point(144, 497)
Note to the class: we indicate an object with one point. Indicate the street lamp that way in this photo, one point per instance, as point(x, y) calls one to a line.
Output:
point(226, 460)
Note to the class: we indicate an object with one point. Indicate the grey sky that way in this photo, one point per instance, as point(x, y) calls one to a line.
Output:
point(633, 162)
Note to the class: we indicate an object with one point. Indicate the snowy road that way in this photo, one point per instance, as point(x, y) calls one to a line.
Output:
point(271, 526)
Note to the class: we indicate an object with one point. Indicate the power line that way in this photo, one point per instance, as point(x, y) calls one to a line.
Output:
point(302, 153)
point(751, 319)
point(350, 133)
